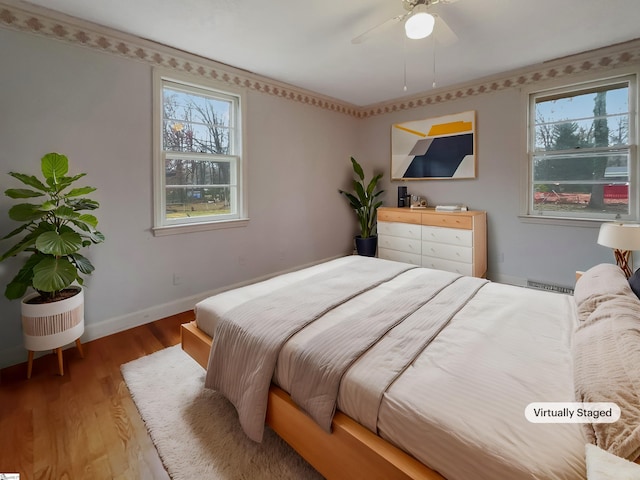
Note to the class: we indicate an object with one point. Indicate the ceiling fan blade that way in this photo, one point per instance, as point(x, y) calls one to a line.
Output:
point(442, 32)
point(378, 28)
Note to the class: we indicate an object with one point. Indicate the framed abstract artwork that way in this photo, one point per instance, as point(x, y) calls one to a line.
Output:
point(434, 148)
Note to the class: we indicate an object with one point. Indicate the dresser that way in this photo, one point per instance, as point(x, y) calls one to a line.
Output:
point(452, 241)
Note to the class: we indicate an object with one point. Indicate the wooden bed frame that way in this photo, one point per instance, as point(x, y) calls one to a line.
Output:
point(350, 451)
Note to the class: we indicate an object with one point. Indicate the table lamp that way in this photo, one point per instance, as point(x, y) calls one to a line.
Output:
point(623, 238)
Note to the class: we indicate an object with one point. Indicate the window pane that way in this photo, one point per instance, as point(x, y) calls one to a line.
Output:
point(598, 166)
point(582, 198)
point(197, 172)
point(589, 183)
point(190, 202)
point(597, 118)
point(196, 123)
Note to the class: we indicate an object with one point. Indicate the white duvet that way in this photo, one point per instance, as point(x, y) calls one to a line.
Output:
point(459, 407)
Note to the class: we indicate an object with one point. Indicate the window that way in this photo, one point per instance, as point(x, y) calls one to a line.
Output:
point(198, 164)
point(582, 154)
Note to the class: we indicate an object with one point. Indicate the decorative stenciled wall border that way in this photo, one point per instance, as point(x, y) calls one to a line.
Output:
point(25, 17)
point(607, 58)
point(18, 15)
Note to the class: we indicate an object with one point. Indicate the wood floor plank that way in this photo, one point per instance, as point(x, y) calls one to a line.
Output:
point(83, 425)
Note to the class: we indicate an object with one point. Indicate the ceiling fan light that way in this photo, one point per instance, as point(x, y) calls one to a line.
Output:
point(419, 24)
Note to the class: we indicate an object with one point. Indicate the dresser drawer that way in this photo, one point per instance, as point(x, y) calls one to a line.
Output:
point(394, 229)
point(447, 252)
point(450, 236)
point(399, 215)
point(448, 265)
point(450, 220)
point(398, 256)
point(400, 244)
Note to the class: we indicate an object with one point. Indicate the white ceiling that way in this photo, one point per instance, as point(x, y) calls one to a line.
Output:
point(308, 43)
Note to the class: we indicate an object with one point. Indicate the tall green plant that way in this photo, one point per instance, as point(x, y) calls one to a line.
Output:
point(53, 230)
point(364, 201)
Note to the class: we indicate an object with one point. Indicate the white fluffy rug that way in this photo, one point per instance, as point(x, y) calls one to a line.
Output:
point(196, 431)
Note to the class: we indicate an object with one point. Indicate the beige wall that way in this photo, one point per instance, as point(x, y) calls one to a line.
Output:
point(96, 108)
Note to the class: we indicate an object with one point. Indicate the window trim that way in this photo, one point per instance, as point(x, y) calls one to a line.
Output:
point(160, 226)
point(560, 87)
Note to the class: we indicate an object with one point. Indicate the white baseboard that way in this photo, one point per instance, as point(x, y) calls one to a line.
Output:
point(93, 331)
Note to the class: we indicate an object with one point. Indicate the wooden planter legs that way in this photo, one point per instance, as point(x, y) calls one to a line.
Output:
point(58, 352)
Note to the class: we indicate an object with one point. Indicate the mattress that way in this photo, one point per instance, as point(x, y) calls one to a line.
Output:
point(458, 407)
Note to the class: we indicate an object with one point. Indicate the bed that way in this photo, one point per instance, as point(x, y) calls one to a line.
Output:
point(376, 369)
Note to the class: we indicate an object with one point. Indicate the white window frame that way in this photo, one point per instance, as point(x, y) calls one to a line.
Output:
point(527, 213)
point(162, 225)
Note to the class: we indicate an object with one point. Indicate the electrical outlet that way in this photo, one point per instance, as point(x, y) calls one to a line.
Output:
point(177, 279)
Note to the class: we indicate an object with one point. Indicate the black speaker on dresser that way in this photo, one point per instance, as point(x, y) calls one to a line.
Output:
point(402, 196)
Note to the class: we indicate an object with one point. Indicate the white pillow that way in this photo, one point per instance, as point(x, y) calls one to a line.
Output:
point(602, 465)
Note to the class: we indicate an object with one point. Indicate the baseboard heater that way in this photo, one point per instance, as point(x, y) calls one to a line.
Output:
point(549, 287)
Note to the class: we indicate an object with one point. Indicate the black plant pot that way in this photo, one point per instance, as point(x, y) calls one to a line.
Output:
point(366, 246)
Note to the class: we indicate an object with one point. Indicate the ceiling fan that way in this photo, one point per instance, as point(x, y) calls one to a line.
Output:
point(421, 20)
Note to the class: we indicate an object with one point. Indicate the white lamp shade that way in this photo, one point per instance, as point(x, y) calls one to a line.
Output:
point(620, 236)
point(419, 24)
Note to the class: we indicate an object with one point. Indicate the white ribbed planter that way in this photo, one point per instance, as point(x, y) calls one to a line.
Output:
point(50, 326)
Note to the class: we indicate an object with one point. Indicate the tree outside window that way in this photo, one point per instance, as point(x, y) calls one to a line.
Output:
point(581, 152)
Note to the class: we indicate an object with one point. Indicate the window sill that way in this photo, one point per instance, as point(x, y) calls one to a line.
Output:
point(198, 227)
point(563, 221)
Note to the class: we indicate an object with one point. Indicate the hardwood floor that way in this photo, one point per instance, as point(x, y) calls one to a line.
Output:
point(83, 425)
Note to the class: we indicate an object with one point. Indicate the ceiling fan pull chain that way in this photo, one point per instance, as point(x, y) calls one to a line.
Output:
point(433, 85)
point(404, 59)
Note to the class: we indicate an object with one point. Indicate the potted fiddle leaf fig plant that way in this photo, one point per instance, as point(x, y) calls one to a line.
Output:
point(54, 228)
point(364, 202)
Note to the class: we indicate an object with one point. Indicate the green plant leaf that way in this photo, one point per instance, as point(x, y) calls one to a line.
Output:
point(25, 212)
point(22, 193)
point(357, 169)
point(48, 206)
point(18, 286)
point(18, 230)
point(95, 237)
point(83, 204)
point(359, 189)
point(26, 242)
point(52, 243)
point(52, 274)
point(355, 203)
point(15, 290)
point(66, 213)
point(54, 166)
point(30, 180)
point(76, 192)
point(64, 182)
point(87, 219)
point(82, 263)
point(373, 183)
